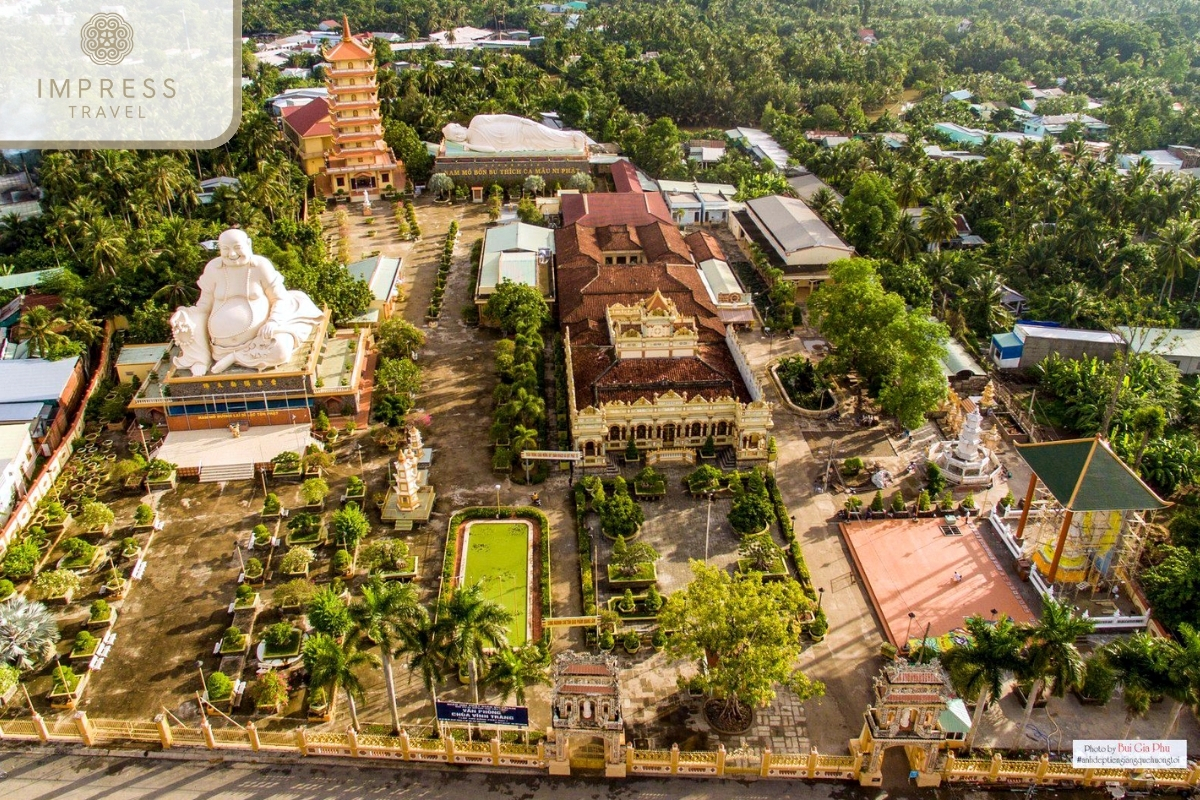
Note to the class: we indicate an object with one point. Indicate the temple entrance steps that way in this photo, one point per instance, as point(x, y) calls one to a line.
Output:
point(227, 472)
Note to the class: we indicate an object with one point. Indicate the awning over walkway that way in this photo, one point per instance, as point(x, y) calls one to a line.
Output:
point(218, 447)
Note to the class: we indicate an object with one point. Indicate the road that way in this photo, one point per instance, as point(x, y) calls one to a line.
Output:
point(44, 774)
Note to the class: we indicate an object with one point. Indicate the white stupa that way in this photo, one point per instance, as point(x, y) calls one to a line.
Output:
point(966, 461)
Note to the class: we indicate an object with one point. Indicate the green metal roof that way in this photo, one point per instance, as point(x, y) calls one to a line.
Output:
point(1085, 475)
point(23, 280)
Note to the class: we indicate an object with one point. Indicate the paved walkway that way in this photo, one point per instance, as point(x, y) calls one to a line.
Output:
point(849, 656)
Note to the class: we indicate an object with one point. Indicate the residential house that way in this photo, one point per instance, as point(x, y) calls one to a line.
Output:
point(761, 147)
point(516, 252)
point(705, 152)
point(19, 196)
point(963, 238)
point(1057, 125)
point(18, 457)
point(209, 187)
point(295, 97)
point(807, 185)
point(308, 132)
point(867, 36)
point(137, 361)
point(696, 203)
point(1160, 160)
point(958, 96)
point(1179, 346)
point(43, 394)
point(382, 275)
point(1030, 343)
point(795, 236)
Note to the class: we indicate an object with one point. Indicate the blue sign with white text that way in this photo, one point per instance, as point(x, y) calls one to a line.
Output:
point(479, 714)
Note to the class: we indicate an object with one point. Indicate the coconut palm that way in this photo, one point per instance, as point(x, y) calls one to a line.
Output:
point(905, 242)
point(981, 666)
point(28, 632)
point(384, 608)
point(1173, 250)
point(335, 666)
point(424, 641)
point(474, 625)
point(513, 670)
point(78, 320)
point(1184, 669)
point(1140, 665)
point(1050, 656)
point(938, 223)
point(525, 406)
point(984, 296)
point(39, 327)
point(1150, 422)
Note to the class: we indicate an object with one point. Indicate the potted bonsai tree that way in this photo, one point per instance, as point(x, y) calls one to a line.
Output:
point(233, 641)
point(606, 641)
point(130, 548)
point(84, 646)
point(877, 504)
point(318, 705)
point(818, 627)
point(160, 475)
point(21, 559)
point(217, 687)
point(245, 597)
point(280, 640)
point(143, 516)
point(343, 563)
point(286, 465)
point(294, 594)
point(653, 601)
point(295, 562)
point(305, 529)
point(350, 525)
point(631, 642)
point(627, 605)
point(924, 503)
point(260, 535)
point(101, 614)
point(356, 491)
point(313, 492)
point(659, 640)
point(1007, 502)
point(65, 687)
point(80, 556)
point(271, 506)
point(56, 517)
point(899, 507)
point(95, 517)
point(116, 583)
point(270, 692)
point(254, 570)
point(968, 505)
point(59, 584)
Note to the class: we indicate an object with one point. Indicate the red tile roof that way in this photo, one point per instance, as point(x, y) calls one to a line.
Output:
point(704, 247)
point(625, 177)
point(615, 208)
point(579, 245)
point(310, 119)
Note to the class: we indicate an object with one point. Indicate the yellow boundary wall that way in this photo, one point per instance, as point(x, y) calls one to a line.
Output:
point(496, 754)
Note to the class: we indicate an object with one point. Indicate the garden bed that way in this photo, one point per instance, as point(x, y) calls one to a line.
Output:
point(639, 614)
point(284, 652)
point(646, 575)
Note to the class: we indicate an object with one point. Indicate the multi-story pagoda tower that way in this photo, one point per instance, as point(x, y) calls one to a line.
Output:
point(360, 159)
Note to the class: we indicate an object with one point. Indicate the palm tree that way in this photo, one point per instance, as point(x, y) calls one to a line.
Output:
point(523, 439)
point(1141, 669)
point(982, 665)
point(78, 320)
point(909, 185)
point(335, 666)
point(28, 632)
point(1051, 656)
point(524, 406)
point(1174, 254)
point(985, 295)
point(905, 242)
point(385, 607)
point(39, 326)
point(425, 642)
point(1184, 669)
point(1150, 422)
point(474, 625)
point(938, 223)
point(513, 670)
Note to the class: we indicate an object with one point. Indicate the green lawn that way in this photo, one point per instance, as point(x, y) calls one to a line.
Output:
point(498, 554)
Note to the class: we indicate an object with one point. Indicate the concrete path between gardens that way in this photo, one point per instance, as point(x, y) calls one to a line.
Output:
point(849, 656)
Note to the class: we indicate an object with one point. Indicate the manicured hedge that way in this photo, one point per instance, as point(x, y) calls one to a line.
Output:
point(489, 513)
point(586, 574)
point(789, 535)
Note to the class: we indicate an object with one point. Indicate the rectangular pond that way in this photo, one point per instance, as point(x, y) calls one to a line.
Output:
point(498, 554)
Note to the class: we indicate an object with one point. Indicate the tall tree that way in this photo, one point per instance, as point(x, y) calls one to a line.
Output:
point(1050, 656)
point(981, 666)
point(336, 666)
point(380, 614)
point(474, 625)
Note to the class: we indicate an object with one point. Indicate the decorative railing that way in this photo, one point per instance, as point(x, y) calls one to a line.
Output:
point(79, 729)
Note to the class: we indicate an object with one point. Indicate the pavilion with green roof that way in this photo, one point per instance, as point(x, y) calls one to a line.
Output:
point(1082, 475)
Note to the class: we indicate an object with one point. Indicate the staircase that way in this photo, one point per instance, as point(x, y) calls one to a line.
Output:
point(727, 459)
point(227, 472)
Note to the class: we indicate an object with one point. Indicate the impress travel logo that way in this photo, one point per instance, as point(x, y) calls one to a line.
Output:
point(141, 74)
point(106, 39)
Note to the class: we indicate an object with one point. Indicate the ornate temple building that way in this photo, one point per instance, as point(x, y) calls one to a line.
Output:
point(648, 354)
point(360, 160)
